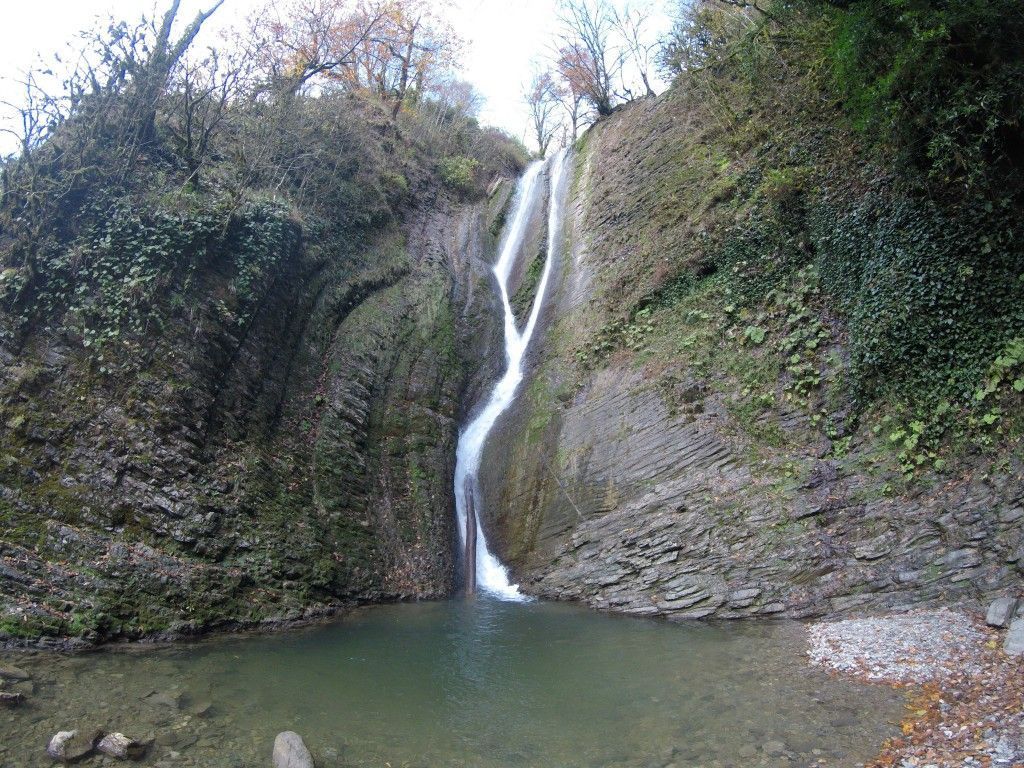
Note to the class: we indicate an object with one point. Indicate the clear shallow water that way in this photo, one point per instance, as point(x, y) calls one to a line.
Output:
point(470, 683)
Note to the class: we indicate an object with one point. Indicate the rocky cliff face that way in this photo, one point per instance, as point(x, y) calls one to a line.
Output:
point(634, 474)
point(256, 474)
point(279, 439)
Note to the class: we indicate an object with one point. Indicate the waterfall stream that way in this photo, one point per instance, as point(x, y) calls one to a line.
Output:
point(485, 570)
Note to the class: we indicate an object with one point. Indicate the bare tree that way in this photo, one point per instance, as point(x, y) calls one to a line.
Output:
point(152, 79)
point(414, 47)
point(314, 38)
point(198, 105)
point(453, 98)
point(36, 116)
point(543, 98)
point(631, 22)
point(575, 108)
point(26, 186)
point(588, 58)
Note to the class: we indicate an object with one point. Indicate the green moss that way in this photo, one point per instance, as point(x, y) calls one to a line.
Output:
point(522, 301)
point(29, 628)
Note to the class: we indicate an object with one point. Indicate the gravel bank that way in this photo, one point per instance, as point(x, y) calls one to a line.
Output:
point(966, 697)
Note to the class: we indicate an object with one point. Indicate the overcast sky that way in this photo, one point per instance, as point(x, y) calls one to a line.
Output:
point(506, 41)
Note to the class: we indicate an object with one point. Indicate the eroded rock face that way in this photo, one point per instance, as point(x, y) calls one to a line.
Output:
point(628, 484)
point(655, 514)
point(265, 475)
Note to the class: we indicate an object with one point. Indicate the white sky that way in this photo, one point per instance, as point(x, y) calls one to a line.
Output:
point(506, 42)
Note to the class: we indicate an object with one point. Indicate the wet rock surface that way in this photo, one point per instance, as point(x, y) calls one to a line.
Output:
point(282, 471)
point(628, 483)
point(73, 746)
point(121, 747)
point(290, 751)
point(11, 699)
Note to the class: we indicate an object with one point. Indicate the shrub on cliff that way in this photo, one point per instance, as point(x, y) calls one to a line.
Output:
point(863, 157)
point(943, 81)
point(155, 168)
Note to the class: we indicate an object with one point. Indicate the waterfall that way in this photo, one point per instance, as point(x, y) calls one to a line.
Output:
point(487, 571)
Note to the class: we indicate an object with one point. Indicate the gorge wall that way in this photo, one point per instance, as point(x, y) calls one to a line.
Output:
point(660, 459)
point(779, 370)
point(253, 471)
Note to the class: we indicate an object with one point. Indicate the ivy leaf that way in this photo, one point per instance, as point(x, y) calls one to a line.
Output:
point(755, 334)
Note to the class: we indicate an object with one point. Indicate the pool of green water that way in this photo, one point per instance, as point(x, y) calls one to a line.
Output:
point(466, 683)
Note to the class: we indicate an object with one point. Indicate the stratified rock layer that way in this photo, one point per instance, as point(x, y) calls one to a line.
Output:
point(259, 475)
point(626, 483)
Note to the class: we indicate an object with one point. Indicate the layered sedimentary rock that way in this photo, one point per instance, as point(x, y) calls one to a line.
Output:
point(253, 475)
point(626, 482)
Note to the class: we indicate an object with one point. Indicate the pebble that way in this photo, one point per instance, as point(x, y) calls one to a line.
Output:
point(944, 647)
point(915, 646)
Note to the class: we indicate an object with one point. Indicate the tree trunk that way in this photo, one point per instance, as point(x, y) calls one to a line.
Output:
point(470, 553)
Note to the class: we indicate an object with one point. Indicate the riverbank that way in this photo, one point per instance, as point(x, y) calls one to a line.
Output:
point(185, 632)
point(966, 694)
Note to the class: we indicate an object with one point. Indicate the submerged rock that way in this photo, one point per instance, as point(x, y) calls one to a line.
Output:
point(171, 699)
point(72, 746)
point(14, 673)
point(1001, 611)
point(25, 687)
point(120, 746)
point(290, 751)
point(10, 699)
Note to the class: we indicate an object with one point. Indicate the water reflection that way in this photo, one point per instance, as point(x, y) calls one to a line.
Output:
point(469, 683)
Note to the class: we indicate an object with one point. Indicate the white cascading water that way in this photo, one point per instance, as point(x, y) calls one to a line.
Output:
point(491, 575)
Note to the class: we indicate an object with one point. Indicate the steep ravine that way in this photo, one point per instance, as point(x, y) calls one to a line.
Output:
point(257, 477)
point(627, 481)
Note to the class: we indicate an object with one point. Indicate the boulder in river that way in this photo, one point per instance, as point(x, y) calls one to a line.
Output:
point(72, 746)
point(14, 673)
point(120, 746)
point(11, 698)
point(1001, 611)
point(290, 751)
point(168, 699)
point(1014, 643)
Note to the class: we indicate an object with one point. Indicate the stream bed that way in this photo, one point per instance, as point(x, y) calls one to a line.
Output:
point(465, 683)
